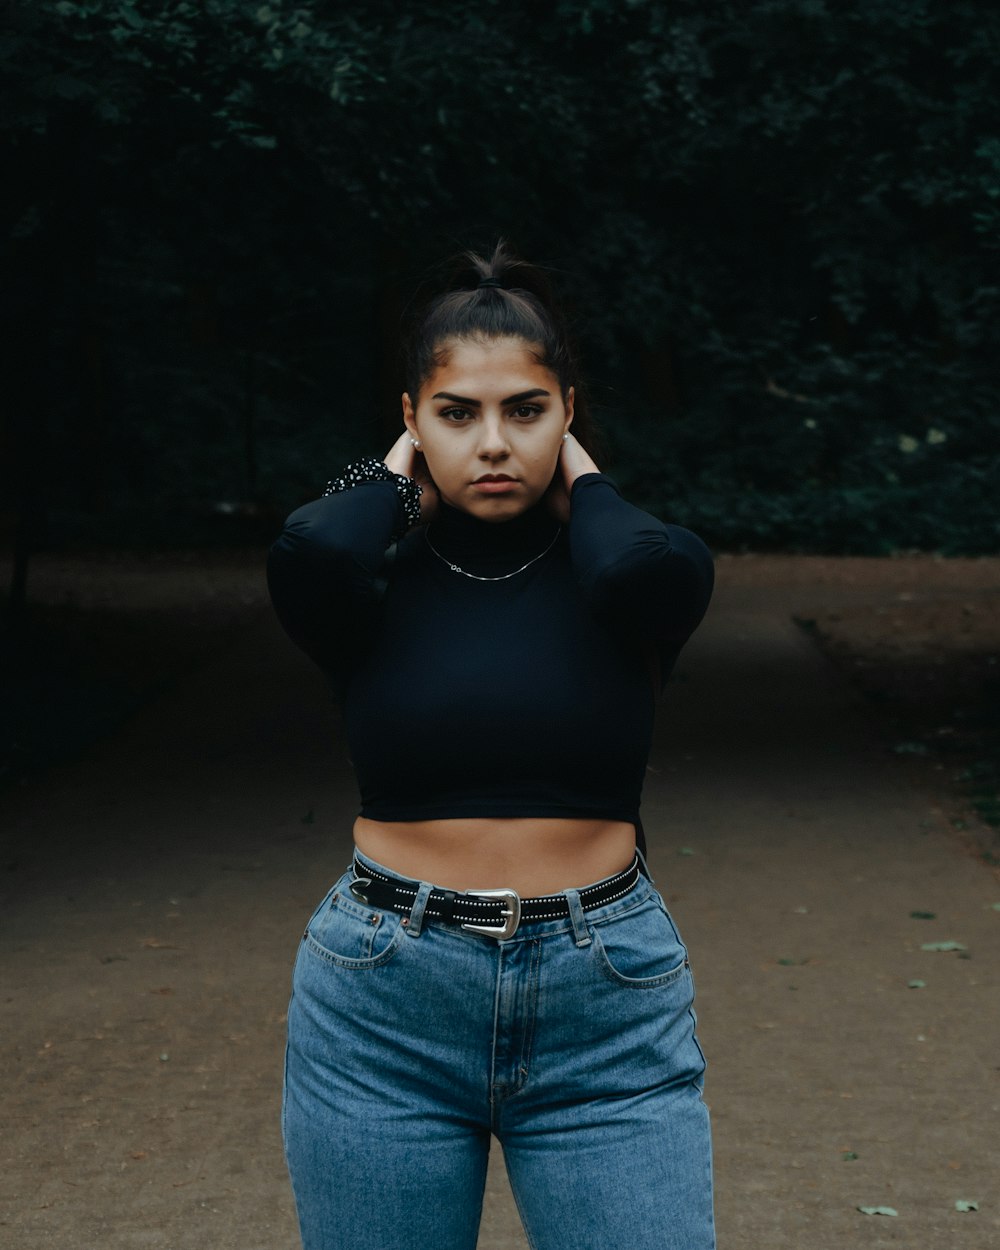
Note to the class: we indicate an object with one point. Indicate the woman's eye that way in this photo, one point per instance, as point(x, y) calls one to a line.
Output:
point(455, 414)
point(526, 412)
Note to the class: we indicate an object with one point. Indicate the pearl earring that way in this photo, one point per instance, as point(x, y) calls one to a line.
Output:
point(565, 438)
point(415, 442)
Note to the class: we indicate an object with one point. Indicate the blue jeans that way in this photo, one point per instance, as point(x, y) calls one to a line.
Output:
point(573, 1042)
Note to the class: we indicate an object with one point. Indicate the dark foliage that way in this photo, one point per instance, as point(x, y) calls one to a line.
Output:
point(776, 225)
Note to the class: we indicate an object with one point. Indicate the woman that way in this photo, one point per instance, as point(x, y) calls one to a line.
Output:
point(498, 622)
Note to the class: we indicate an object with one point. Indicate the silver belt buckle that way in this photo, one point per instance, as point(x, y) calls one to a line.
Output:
point(512, 914)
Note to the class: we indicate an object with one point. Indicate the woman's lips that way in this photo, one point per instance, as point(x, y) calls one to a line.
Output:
point(495, 485)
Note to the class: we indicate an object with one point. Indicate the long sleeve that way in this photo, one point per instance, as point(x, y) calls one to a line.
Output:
point(324, 572)
point(646, 579)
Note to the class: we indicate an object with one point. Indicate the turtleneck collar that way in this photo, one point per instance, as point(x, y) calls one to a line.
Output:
point(491, 546)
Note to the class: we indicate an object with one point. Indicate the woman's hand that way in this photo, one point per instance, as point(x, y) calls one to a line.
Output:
point(402, 457)
point(573, 463)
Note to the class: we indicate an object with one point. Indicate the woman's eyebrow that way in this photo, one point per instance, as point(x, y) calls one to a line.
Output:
point(519, 398)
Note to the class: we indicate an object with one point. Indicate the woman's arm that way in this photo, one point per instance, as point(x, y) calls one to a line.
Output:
point(326, 571)
point(649, 580)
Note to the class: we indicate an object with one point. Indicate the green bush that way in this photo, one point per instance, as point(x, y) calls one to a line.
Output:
point(776, 225)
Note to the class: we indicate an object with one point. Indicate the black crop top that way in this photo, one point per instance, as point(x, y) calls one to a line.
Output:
point(527, 696)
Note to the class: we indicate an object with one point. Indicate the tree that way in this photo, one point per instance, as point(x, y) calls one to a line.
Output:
point(776, 225)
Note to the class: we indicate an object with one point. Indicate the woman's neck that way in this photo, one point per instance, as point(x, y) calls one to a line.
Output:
point(491, 547)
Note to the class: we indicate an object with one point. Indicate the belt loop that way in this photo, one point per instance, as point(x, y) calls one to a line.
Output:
point(644, 867)
point(580, 931)
point(417, 910)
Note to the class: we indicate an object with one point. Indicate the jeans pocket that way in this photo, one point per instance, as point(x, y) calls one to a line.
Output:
point(352, 935)
point(641, 949)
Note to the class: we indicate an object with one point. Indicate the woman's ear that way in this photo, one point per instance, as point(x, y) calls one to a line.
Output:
point(409, 417)
point(568, 405)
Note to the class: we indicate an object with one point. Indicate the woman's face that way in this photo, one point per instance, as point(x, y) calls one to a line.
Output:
point(490, 421)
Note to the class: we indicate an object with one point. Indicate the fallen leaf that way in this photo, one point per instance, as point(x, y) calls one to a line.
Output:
point(916, 985)
point(685, 850)
point(849, 1156)
point(878, 1210)
point(923, 915)
point(943, 946)
point(966, 1204)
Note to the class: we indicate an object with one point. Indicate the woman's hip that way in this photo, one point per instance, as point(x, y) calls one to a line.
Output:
point(602, 994)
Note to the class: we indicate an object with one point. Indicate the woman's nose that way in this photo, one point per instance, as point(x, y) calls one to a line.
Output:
point(493, 440)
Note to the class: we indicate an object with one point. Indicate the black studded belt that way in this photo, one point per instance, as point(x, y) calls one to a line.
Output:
point(495, 913)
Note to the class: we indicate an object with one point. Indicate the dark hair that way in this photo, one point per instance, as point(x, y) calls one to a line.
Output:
point(516, 302)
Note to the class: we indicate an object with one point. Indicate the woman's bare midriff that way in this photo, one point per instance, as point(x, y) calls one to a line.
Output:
point(532, 855)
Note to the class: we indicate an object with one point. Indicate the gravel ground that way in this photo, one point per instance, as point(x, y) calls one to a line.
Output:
point(154, 887)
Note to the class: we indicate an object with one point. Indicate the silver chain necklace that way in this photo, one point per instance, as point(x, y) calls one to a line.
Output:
point(503, 577)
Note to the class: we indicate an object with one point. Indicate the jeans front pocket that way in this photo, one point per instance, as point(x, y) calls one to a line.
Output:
point(352, 935)
point(641, 948)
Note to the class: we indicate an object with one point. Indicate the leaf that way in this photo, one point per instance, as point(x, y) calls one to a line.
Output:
point(966, 1204)
point(916, 985)
point(685, 850)
point(943, 946)
point(878, 1210)
point(849, 1156)
point(923, 915)
point(66, 87)
point(996, 906)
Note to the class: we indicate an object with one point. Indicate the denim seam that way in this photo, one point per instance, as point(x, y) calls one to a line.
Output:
point(529, 1031)
point(358, 965)
point(660, 981)
point(495, 1103)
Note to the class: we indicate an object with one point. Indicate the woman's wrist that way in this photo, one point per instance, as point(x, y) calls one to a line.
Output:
point(405, 458)
point(370, 469)
point(575, 460)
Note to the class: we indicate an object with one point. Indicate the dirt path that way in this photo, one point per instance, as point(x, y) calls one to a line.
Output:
point(154, 894)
